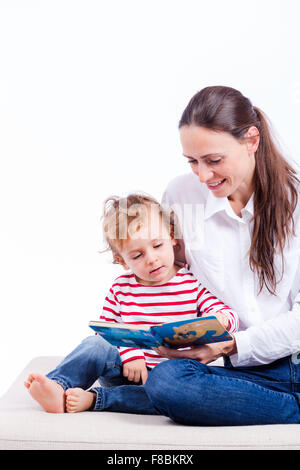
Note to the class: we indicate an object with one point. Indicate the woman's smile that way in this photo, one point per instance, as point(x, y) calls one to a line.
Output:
point(214, 186)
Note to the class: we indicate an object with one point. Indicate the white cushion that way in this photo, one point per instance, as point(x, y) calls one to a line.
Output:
point(24, 425)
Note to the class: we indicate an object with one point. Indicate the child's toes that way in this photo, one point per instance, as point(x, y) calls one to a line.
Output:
point(30, 378)
point(70, 400)
point(72, 392)
point(71, 406)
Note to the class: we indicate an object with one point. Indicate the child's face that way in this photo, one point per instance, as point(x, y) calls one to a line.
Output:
point(149, 251)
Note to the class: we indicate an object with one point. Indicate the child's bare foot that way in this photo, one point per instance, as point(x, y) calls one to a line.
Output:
point(49, 394)
point(78, 399)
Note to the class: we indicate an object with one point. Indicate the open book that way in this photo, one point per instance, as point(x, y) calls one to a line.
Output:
point(178, 334)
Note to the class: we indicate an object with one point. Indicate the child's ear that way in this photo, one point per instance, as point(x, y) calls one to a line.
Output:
point(125, 266)
point(119, 260)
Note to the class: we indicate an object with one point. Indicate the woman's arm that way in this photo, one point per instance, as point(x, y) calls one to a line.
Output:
point(205, 354)
point(258, 345)
point(268, 339)
point(276, 338)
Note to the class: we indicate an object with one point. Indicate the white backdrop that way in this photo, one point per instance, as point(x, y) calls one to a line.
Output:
point(90, 97)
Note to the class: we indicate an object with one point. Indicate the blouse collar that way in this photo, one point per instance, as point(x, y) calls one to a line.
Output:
point(219, 204)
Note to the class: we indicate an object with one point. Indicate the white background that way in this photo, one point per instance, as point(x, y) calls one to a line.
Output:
point(90, 97)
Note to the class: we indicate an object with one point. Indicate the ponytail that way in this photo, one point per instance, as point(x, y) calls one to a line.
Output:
point(275, 199)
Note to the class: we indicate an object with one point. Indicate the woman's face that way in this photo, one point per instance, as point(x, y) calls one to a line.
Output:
point(226, 165)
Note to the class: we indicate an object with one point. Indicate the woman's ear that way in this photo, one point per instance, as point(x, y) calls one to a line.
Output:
point(252, 139)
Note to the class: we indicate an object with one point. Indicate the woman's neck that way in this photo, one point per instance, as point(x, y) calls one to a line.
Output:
point(239, 200)
point(240, 197)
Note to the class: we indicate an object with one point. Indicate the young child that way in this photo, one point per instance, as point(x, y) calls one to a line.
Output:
point(140, 235)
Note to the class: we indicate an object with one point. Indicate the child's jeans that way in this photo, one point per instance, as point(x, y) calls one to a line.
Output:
point(96, 359)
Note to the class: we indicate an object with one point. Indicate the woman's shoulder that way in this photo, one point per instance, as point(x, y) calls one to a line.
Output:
point(185, 188)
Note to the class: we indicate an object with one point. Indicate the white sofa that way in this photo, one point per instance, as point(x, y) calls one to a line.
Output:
point(24, 425)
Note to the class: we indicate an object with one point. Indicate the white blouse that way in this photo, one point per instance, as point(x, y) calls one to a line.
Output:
point(217, 244)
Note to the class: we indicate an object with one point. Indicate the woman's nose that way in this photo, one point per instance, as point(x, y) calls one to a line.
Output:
point(204, 173)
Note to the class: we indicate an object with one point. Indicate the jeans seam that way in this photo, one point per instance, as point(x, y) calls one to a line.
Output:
point(254, 381)
point(112, 365)
point(293, 375)
point(287, 394)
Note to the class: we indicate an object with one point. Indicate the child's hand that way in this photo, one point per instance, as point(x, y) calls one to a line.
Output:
point(222, 319)
point(220, 316)
point(136, 370)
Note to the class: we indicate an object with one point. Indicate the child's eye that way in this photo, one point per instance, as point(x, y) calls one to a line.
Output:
point(192, 162)
point(137, 256)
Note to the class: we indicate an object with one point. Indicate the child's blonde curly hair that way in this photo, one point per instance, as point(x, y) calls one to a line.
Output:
point(123, 216)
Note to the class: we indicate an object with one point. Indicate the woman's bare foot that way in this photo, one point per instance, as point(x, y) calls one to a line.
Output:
point(48, 393)
point(78, 399)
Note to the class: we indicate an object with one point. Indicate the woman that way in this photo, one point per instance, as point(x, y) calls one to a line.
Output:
point(246, 251)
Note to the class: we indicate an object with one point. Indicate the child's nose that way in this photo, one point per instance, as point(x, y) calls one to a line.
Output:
point(152, 257)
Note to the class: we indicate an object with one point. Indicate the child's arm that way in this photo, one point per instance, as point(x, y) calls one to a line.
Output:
point(208, 304)
point(112, 312)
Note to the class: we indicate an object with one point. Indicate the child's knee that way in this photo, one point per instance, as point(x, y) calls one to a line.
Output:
point(96, 344)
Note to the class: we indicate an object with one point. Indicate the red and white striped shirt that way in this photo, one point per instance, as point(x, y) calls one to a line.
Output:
point(181, 298)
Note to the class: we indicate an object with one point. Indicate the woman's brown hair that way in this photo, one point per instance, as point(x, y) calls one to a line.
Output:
point(225, 109)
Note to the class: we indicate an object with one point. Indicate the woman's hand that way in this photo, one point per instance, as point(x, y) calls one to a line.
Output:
point(136, 370)
point(206, 353)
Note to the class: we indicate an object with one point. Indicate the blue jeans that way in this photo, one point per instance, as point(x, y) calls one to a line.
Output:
point(192, 393)
point(96, 359)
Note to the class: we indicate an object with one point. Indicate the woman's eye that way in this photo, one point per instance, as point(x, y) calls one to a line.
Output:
point(158, 245)
point(208, 162)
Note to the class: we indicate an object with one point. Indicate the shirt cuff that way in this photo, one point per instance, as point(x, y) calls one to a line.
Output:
point(242, 357)
point(130, 354)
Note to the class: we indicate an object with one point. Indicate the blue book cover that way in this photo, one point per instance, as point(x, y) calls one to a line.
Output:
point(179, 334)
